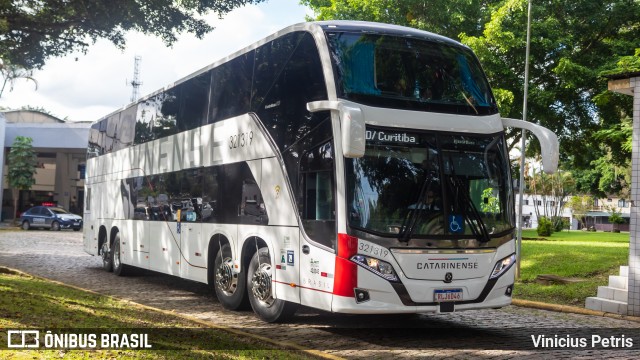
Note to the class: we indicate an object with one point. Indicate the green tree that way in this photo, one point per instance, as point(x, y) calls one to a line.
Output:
point(545, 226)
point(490, 203)
point(22, 167)
point(580, 206)
point(610, 173)
point(553, 191)
point(615, 218)
point(568, 53)
point(444, 17)
point(32, 30)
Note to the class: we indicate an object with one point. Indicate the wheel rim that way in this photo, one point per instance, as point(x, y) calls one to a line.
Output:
point(116, 255)
point(25, 225)
point(226, 280)
point(55, 226)
point(261, 285)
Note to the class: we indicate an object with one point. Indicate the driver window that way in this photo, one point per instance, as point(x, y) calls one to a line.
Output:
point(317, 208)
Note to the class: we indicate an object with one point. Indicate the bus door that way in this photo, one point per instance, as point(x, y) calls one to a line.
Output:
point(193, 248)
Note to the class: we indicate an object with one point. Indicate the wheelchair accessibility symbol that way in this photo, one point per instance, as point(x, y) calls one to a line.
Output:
point(456, 224)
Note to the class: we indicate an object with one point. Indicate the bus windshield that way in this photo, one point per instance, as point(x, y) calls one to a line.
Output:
point(409, 73)
point(418, 184)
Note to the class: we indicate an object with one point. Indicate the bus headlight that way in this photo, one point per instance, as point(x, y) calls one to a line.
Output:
point(376, 266)
point(502, 266)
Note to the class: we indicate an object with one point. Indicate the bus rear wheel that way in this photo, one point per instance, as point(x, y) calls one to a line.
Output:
point(230, 286)
point(260, 290)
point(119, 268)
point(105, 252)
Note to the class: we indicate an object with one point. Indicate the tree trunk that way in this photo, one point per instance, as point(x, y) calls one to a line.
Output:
point(15, 193)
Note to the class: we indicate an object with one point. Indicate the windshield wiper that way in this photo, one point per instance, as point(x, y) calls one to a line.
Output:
point(469, 101)
point(469, 210)
point(412, 220)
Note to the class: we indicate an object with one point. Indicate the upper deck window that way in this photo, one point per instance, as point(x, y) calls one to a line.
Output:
point(409, 73)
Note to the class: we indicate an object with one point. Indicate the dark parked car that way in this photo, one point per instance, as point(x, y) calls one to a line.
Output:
point(53, 218)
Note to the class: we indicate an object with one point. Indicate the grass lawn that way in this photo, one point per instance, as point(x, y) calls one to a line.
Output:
point(31, 303)
point(591, 256)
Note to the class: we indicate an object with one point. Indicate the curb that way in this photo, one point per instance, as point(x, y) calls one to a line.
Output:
point(280, 344)
point(571, 309)
point(318, 353)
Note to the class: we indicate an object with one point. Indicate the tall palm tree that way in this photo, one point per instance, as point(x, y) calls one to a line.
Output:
point(11, 73)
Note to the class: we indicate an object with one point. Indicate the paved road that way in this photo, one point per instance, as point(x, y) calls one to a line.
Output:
point(504, 333)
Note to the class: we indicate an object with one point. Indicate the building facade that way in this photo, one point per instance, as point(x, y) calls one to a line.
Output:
point(61, 150)
point(596, 218)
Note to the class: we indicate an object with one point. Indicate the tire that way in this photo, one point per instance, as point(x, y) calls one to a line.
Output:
point(230, 287)
point(260, 290)
point(107, 259)
point(76, 229)
point(55, 226)
point(119, 268)
point(26, 225)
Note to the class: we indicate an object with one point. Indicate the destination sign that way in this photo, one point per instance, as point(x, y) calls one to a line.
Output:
point(391, 137)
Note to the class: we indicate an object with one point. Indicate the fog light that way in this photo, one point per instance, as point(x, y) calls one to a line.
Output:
point(361, 295)
point(509, 290)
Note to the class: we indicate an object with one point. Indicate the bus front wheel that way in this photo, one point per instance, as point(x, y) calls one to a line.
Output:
point(230, 285)
point(260, 289)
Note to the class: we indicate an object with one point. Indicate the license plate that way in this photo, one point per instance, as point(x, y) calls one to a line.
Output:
point(446, 295)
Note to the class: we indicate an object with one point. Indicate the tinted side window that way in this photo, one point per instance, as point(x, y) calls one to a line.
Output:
point(191, 195)
point(194, 102)
point(292, 156)
point(211, 185)
point(316, 194)
point(110, 132)
point(96, 144)
point(303, 81)
point(157, 116)
point(240, 197)
point(226, 194)
point(157, 200)
point(282, 90)
point(128, 195)
point(231, 88)
point(140, 198)
point(271, 59)
point(125, 131)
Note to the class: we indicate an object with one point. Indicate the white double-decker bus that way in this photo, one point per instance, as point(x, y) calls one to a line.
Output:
point(347, 166)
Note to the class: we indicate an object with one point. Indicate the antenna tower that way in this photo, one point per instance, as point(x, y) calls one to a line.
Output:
point(135, 83)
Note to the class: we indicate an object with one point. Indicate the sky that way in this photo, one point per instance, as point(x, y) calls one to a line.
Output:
point(86, 87)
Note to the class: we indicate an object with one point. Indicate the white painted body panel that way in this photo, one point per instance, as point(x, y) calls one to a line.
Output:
point(317, 275)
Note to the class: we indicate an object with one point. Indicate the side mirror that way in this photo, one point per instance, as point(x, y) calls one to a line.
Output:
point(353, 132)
point(352, 125)
point(548, 142)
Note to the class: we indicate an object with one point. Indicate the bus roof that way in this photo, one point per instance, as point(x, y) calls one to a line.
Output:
point(312, 27)
point(384, 29)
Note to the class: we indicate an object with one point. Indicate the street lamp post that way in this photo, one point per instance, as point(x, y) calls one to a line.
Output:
point(523, 142)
